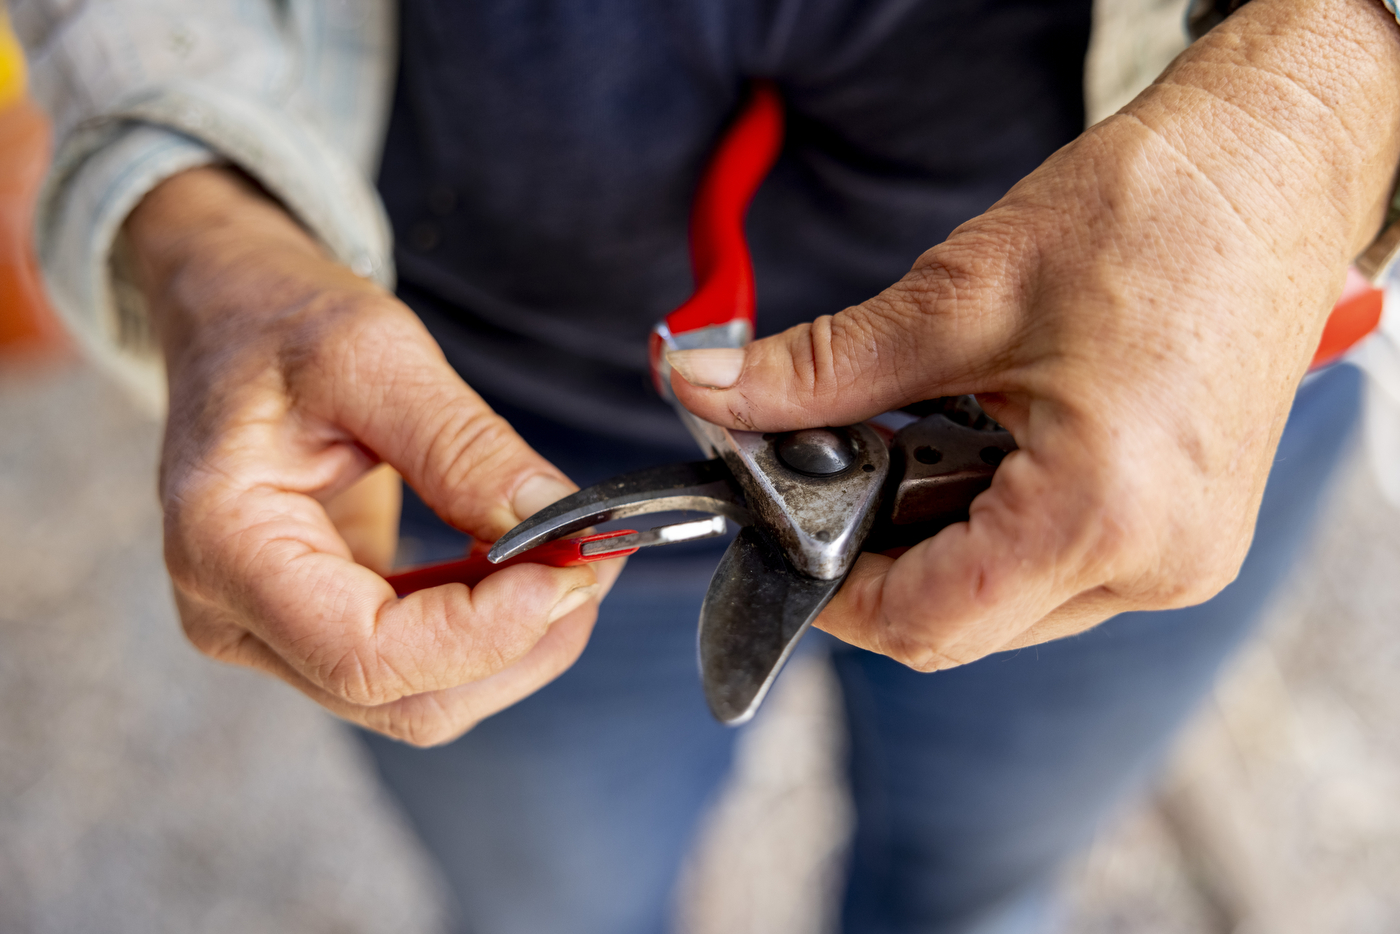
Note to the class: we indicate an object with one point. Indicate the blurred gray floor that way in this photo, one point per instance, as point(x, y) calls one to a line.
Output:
point(143, 788)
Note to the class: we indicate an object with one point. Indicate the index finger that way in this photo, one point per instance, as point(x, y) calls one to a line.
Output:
point(380, 377)
point(293, 584)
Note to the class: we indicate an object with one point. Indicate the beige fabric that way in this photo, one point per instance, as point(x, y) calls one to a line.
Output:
point(1132, 43)
point(295, 92)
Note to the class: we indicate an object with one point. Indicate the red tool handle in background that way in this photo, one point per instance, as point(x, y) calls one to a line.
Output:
point(719, 254)
point(1356, 314)
point(473, 569)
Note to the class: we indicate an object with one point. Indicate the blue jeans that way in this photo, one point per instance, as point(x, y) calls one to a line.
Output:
point(570, 812)
point(538, 171)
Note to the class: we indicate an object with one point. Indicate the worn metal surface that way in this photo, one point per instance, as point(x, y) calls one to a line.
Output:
point(819, 522)
point(816, 452)
point(697, 486)
point(941, 467)
point(757, 608)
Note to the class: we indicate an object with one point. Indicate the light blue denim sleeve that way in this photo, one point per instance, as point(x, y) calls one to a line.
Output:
point(295, 92)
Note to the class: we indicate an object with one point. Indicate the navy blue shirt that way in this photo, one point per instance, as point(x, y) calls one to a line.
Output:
point(542, 156)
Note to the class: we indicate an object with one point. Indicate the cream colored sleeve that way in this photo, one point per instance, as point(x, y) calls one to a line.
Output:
point(294, 92)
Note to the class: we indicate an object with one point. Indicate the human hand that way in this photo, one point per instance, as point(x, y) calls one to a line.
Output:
point(1139, 312)
point(290, 380)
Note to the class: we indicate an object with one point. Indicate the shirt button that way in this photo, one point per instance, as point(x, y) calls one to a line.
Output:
point(442, 200)
point(424, 236)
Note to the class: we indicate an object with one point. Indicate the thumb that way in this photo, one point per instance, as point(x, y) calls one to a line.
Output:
point(931, 334)
point(396, 394)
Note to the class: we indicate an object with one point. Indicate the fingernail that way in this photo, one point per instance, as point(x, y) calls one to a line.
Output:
point(572, 601)
point(711, 367)
point(538, 492)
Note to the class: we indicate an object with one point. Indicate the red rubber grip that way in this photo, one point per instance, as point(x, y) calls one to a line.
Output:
point(473, 569)
point(1355, 316)
point(719, 254)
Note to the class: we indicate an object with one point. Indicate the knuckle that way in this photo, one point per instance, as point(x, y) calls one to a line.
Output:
point(865, 343)
point(360, 676)
point(211, 635)
point(180, 568)
point(916, 655)
point(508, 646)
point(926, 658)
point(209, 640)
point(829, 355)
point(951, 273)
point(181, 550)
point(919, 650)
point(422, 721)
point(1150, 538)
point(428, 732)
point(934, 660)
point(935, 282)
point(1110, 524)
point(1195, 582)
point(812, 362)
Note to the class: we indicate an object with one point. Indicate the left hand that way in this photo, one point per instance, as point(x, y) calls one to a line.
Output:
point(292, 381)
point(1139, 312)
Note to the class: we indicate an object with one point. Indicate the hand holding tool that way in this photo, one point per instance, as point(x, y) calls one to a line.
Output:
point(808, 501)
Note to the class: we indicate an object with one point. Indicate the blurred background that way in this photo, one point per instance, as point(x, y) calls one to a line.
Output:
point(146, 789)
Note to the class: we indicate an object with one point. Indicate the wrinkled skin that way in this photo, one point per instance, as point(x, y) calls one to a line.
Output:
point(1139, 312)
point(296, 391)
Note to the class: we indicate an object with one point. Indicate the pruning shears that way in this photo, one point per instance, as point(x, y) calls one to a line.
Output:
point(807, 502)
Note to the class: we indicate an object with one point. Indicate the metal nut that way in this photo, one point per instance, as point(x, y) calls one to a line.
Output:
point(816, 452)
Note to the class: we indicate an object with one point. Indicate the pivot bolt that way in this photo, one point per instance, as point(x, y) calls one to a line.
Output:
point(816, 452)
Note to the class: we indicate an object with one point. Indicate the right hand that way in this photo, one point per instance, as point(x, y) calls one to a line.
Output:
point(291, 380)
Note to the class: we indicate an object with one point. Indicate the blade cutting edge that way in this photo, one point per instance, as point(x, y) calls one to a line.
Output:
point(757, 609)
point(699, 486)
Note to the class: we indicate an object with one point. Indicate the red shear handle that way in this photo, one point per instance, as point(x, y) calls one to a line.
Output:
point(719, 254)
point(1355, 315)
point(473, 570)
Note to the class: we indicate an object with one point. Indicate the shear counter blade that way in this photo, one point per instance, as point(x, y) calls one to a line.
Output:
point(757, 608)
point(698, 486)
point(661, 535)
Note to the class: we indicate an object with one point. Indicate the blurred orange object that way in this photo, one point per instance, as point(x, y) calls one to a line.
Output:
point(1356, 314)
point(28, 327)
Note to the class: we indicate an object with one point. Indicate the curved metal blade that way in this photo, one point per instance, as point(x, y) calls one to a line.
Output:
point(698, 486)
point(691, 531)
point(757, 608)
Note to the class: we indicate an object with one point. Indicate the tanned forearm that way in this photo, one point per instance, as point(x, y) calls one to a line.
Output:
point(1139, 312)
